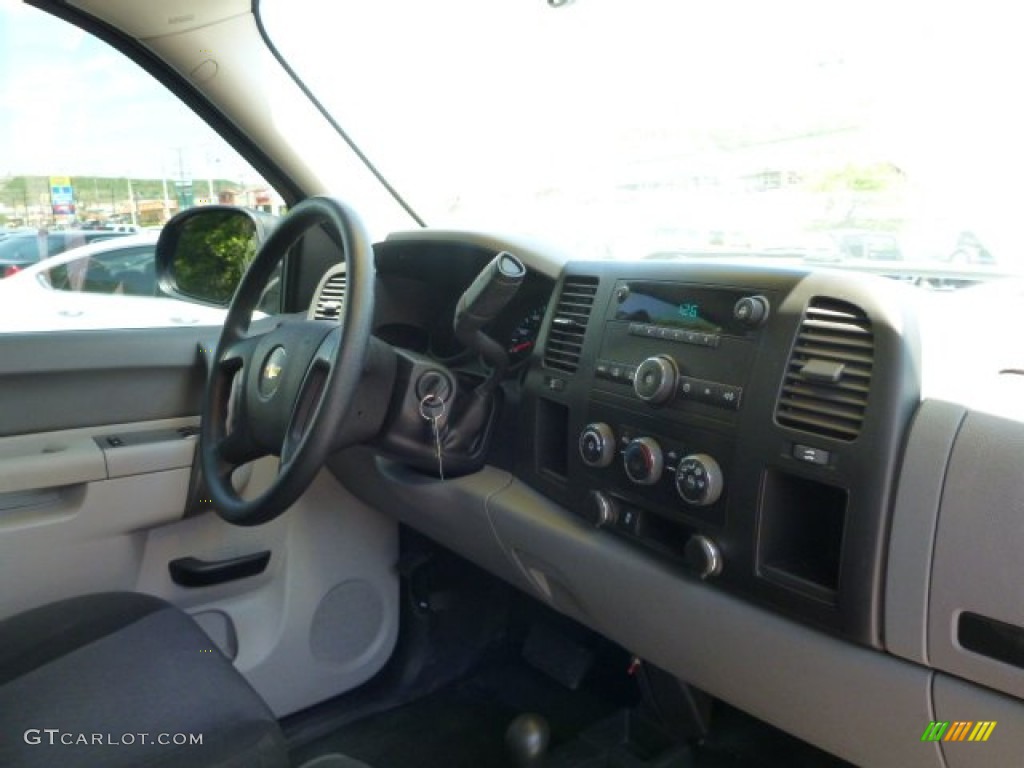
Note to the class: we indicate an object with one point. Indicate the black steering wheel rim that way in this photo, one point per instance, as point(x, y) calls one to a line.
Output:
point(241, 362)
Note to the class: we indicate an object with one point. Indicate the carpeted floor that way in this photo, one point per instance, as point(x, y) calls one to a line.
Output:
point(463, 726)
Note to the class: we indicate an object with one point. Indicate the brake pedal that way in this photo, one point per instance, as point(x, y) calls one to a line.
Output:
point(557, 656)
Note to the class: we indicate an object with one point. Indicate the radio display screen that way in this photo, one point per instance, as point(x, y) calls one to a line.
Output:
point(676, 305)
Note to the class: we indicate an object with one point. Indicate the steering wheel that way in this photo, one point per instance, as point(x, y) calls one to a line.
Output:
point(285, 392)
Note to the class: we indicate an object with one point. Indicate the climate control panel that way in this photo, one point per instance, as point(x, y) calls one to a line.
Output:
point(661, 472)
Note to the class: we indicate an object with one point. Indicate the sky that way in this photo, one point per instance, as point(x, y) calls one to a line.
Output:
point(462, 98)
point(71, 105)
point(506, 109)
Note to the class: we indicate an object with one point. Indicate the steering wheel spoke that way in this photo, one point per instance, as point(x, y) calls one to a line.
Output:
point(305, 408)
point(237, 353)
point(236, 449)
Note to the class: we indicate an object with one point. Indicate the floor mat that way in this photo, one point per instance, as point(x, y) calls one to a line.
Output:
point(463, 726)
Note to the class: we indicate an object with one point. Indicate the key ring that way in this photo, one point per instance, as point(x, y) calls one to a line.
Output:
point(431, 402)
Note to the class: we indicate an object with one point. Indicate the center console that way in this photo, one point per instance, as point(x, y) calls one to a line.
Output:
point(740, 424)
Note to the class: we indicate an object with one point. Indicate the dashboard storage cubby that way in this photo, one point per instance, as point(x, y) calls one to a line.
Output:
point(552, 441)
point(800, 535)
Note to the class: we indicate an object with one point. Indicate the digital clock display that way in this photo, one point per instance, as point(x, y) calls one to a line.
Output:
point(678, 305)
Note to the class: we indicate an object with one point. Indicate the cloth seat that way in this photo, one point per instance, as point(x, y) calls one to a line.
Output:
point(101, 680)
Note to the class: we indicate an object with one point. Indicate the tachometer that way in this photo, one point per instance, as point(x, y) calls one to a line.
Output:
point(524, 335)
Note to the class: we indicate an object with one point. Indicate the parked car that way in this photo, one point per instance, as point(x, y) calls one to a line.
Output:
point(108, 284)
point(868, 246)
point(6, 232)
point(26, 248)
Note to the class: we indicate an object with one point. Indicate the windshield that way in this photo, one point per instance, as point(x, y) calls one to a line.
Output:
point(873, 133)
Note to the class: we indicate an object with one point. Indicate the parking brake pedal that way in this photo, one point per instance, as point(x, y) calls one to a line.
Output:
point(560, 658)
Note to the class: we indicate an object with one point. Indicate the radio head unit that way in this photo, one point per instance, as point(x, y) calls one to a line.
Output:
point(699, 308)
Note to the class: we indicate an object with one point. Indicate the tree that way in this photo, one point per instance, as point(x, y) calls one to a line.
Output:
point(213, 251)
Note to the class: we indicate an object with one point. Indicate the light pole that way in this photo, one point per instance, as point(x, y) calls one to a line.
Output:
point(132, 204)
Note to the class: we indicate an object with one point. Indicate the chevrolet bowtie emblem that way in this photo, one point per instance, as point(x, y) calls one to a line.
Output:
point(273, 367)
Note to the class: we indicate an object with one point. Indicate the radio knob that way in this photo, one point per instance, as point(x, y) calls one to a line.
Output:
point(643, 461)
point(752, 311)
point(703, 556)
point(597, 445)
point(699, 480)
point(601, 510)
point(655, 380)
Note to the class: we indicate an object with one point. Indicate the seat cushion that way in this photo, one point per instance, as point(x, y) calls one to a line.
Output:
point(124, 679)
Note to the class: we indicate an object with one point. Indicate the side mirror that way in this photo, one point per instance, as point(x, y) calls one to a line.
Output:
point(203, 252)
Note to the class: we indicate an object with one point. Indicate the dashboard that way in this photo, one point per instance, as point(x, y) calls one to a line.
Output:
point(718, 417)
point(729, 469)
point(416, 301)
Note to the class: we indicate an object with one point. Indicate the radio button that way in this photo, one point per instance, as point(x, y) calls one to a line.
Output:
point(643, 461)
point(752, 311)
point(729, 396)
point(656, 379)
point(707, 392)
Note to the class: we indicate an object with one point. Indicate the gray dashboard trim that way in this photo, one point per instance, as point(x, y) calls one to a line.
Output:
point(914, 521)
point(452, 512)
point(541, 256)
point(865, 706)
point(959, 700)
point(977, 562)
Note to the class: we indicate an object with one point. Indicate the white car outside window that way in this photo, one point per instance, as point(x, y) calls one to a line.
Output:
point(109, 284)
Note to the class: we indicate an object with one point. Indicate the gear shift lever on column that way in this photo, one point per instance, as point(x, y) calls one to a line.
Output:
point(482, 302)
point(527, 740)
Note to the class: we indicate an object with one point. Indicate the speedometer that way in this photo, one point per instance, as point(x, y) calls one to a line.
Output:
point(524, 335)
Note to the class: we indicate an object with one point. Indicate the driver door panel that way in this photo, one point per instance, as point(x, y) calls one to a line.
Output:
point(79, 514)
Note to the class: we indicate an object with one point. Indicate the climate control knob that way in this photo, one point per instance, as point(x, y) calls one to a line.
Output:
point(699, 480)
point(643, 461)
point(597, 445)
point(703, 556)
point(601, 509)
point(655, 380)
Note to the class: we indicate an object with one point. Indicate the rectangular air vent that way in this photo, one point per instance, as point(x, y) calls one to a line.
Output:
point(825, 390)
point(565, 339)
point(332, 298)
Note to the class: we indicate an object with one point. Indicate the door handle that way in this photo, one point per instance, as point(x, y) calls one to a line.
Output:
point(193, 572)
